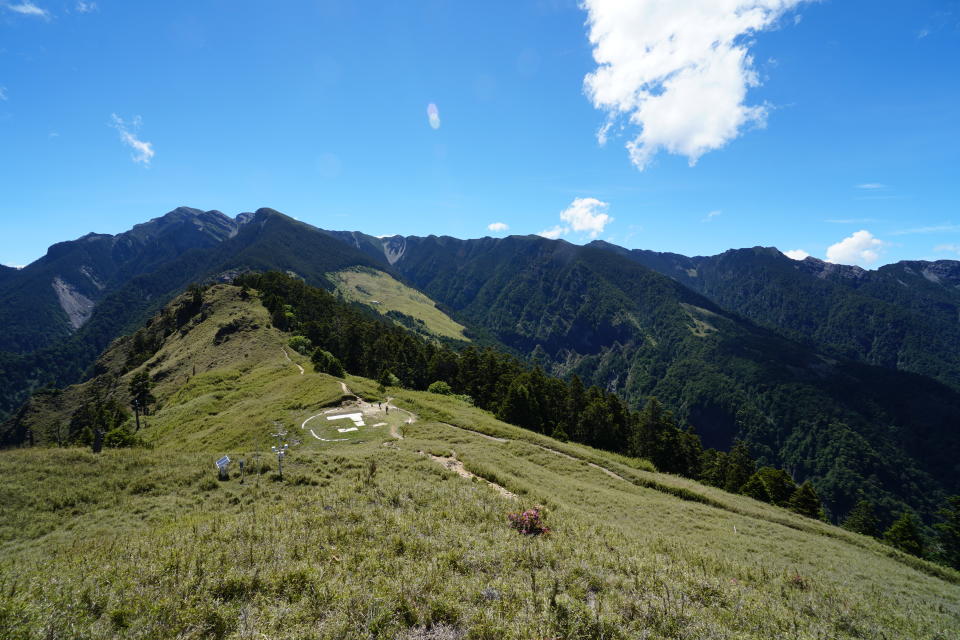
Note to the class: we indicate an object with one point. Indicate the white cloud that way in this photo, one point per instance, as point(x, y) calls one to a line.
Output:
point(677, 70)
point(3, 93)
point(498, 226)
point(555, 232)
point(710, 216)
point(584, 215)
point(142, 151)
point(949, 248)
point(860, 248)
point(587, 215)
point(433, 116)
point(86, 7)
point(871, 186)
point(796, 254)
point(27, 8)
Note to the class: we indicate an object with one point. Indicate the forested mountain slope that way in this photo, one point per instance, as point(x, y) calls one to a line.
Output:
point(56, 295)
point(264, 240)
point(615, 323)
point(903, 316)
point(398, 528)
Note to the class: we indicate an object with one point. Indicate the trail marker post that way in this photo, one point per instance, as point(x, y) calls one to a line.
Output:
point(222, 465)
point(281, 448)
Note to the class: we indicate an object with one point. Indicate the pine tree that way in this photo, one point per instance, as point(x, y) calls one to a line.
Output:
point(904, 534)
point(806, 502)
point(520, 407)
point(740, 466)
point(778, 483)
point(756, 489)
point(863, 519)
point(948, 532)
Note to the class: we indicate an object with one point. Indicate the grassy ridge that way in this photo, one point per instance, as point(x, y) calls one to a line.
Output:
point(370, 538)
point(383, 293)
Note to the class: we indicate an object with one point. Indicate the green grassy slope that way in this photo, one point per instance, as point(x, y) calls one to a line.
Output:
point(369, 537)
point(384, 293)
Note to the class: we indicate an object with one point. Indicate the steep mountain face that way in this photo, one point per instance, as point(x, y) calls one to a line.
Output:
point(626, 328)
point(904, 316)
point(56, 295)
point(265, 240)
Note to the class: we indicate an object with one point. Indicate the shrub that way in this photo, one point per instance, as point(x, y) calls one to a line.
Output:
point(529, 522)
point(300, 344)
point(440, 387)
point(326, 362)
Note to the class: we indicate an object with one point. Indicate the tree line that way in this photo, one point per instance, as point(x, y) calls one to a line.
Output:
point(343, 337)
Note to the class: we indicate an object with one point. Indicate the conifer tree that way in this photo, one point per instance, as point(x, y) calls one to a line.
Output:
point(904, 534)
point(778, 483)
point(863, 519)
point(756, 489)
point(948, 532)
point(740, 466)
point(806, 502)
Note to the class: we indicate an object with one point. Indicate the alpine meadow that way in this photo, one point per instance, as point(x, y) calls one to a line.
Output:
point(595, 320)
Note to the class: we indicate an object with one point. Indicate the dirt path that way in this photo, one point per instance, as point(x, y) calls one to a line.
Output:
point(456, 466)
point(476, 433)
point(287, 356)
point(610, 473)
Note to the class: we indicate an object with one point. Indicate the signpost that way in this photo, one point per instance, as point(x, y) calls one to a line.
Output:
point(280, 449)
point(222, 465)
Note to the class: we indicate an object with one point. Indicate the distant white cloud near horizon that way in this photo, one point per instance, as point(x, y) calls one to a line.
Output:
point(950, 248)
point(796, 254)
point(28, 9)
point(142, 151)
point(678, 71)
point(871, 186)
point(498, 226)
point(860, 248)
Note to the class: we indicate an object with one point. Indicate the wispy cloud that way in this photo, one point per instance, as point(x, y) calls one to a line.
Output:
point(433, 116)
point(850, 220)
point(86, 7)
point(142, 151)
point(678, 72)
point(3, 93)
point(796, 254)
point(710, 216)
point(949, 248)
point(28, 9)
point(940, 228)
point(859, 248)
point(871, 186)
point(498, 226)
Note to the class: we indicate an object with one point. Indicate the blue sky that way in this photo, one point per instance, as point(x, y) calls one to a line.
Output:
point(828, 127)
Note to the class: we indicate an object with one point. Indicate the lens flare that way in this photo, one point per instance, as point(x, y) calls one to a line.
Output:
point(433, 115)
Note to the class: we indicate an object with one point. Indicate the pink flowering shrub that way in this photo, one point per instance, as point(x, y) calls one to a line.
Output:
point(529, 522)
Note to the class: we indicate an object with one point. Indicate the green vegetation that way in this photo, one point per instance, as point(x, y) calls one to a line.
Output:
point(368, 537)
point(405, 306)
point(854, 430)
